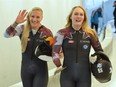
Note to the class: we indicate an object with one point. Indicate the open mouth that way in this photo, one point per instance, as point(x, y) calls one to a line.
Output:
point(78, 20)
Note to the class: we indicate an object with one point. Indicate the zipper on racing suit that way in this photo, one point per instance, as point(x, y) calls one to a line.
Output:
point(77, 32)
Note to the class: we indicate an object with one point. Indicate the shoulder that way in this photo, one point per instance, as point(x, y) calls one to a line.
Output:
point(46, 30)
point(64, 31)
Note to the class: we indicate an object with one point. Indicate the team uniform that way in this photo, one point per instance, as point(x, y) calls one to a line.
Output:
point(76, 48)
point(34, 72)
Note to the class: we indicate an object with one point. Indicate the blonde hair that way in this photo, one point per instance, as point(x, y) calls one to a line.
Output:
point(85, 26)
point(27, 28)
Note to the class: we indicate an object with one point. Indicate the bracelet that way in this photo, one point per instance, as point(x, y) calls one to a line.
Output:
point(14, 24)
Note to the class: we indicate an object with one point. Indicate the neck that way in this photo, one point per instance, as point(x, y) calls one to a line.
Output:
point(36, 28)
point(76, 27)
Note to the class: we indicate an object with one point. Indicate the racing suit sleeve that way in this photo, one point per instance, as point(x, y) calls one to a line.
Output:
point(56, 48)
point(96, 45)
point(13, 31)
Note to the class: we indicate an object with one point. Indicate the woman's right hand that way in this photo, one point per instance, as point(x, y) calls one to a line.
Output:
point(21, 16)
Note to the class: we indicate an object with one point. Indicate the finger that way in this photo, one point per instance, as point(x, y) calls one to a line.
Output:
point(64, 68)
point(59, 70)
point(25, 14)
point(23, 11)
point(19, 12)
point(55, 72)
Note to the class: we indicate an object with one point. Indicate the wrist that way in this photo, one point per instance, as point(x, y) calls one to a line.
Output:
point(14, 24)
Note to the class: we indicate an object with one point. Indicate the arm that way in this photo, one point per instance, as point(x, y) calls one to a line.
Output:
point(13, 29)
point(56, 49)
point(10, 31)
point(95, 42)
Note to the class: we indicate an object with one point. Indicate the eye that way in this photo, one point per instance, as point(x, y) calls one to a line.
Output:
point(32, 16)
point(81, 14)
point(38, 16)
point(76, 13)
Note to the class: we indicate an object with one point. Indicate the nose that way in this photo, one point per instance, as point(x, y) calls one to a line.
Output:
point(34, 19)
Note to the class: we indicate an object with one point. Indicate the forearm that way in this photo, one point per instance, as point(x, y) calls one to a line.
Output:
point(56, 56)
point(57, 48)
point(11, 29)
point(97, 46)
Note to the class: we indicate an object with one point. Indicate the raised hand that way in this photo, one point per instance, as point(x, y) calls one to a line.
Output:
point(21, 16)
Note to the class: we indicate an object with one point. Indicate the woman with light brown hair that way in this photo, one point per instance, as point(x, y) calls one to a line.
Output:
point(75, 40)
point(34, 71)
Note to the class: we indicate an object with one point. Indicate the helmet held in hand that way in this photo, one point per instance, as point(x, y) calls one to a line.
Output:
point(102, 68)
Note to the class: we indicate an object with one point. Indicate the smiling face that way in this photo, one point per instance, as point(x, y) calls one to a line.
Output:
point(35, 19)
point(77, 18)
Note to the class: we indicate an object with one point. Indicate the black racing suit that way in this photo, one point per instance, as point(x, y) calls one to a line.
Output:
point(34, 72)
point(76, 48)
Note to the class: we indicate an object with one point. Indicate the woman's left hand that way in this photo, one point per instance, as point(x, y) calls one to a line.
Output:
point(59, 69)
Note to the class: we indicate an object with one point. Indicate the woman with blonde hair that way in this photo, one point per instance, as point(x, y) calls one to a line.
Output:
point(75, 40)
point(34, 72)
